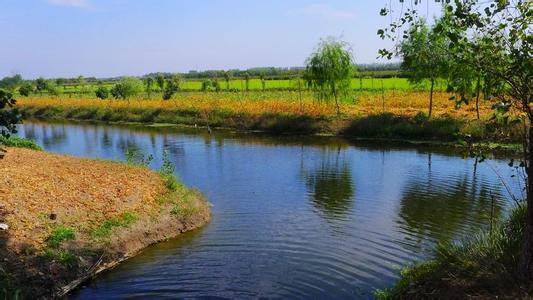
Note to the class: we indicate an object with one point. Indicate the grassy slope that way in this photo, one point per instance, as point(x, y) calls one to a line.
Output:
point(483, 267)
point(76, 217)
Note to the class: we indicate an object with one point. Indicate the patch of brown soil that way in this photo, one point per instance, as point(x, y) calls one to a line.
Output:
point(41, 191)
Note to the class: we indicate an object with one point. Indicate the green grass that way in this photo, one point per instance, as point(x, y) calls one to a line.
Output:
point(255, 84)
point(60, 235)
point(15, 141)
point(484, 266)
point(105, 230)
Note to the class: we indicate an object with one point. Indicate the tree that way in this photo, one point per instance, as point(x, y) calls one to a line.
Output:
point(41, 85)
point(9, 116)
point(172, 87)
point(11, 82)
point(127, 87)
point(227, 78)
point(330, 68)
point(247, 81)
point(496, 38)
point(206, 85)
point(51, 88)
point(102, 92)
point(26, 89)
point(160, 79)
point(148, 83)
point(424, 56)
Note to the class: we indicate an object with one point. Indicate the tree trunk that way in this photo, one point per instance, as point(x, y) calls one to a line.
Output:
point(478, 87)
point(527, 258)
point(431, 96)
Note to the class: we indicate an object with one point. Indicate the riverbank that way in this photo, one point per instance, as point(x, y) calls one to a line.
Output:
point(485, 266)
point(71, 218)
point(361, 120)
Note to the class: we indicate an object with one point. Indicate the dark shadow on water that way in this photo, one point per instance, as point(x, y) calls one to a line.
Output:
point(330, 183)
point(447, 209)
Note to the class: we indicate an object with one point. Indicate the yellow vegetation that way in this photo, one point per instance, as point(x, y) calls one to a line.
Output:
point(400, 103)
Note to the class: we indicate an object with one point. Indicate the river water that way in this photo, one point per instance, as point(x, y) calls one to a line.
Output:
point(293, 217)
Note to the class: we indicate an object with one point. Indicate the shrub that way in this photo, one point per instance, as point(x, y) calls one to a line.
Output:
point(102, 92)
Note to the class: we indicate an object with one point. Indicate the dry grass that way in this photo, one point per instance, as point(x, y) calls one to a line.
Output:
point(71, 218)
point(81, 193)
point(398, 103)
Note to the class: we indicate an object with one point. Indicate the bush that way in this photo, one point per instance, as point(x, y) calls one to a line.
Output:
point(102, 92)
point(127, 87)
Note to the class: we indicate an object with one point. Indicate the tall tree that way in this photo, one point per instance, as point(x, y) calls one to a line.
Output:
point(424, 56)
point(499, 32)
point(330, 69)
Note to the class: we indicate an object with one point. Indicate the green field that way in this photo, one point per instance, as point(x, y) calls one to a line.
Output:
point(365, 84)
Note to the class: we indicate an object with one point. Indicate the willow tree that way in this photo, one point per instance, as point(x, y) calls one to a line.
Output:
point(496, 35)
point(330, 69)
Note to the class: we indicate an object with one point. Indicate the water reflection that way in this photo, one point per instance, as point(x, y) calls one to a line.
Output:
point(330, 183)
point(447, 207)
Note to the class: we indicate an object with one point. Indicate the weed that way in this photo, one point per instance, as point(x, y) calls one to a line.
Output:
point(14, 141)
point(105, 230)
point(60, 235)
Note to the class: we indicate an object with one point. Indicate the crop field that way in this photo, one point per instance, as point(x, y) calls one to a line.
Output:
point(277, 102)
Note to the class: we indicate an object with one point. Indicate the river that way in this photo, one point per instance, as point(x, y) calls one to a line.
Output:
point(293, 217)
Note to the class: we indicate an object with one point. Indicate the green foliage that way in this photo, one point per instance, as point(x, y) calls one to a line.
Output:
point(51, 88)
point(488, 262)
point(15, 141)
point(423, 53)
point(105, 230)
point(41, 85)
point(160, 80)
point(26, 89)
point(127, 87)
point(102, 92)
point(330, 69)
point(60, 235)
point(167, 172)
point(137, 158)
point(11, 82)
point(9, 116)
point(172, 86)
point(148, 83)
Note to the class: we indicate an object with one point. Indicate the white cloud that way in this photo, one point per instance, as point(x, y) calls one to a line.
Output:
point(71, 3)
point(328, 12)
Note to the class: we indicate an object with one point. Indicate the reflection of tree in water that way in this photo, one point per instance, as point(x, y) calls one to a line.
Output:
point(53, 135)
point(330, 184)
point(444, 210)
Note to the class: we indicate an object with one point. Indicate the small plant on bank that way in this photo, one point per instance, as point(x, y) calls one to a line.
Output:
point(15, 141)
point(137, 158)
point(105, 230)
point(60, 235)
point(167, 172)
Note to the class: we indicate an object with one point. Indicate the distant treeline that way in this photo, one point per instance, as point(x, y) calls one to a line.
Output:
point(267, 73)
point(271, 73)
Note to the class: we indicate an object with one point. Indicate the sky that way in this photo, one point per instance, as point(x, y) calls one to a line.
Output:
point(107, 38)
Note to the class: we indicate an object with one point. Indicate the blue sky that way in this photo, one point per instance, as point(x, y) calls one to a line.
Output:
point(66, 38)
